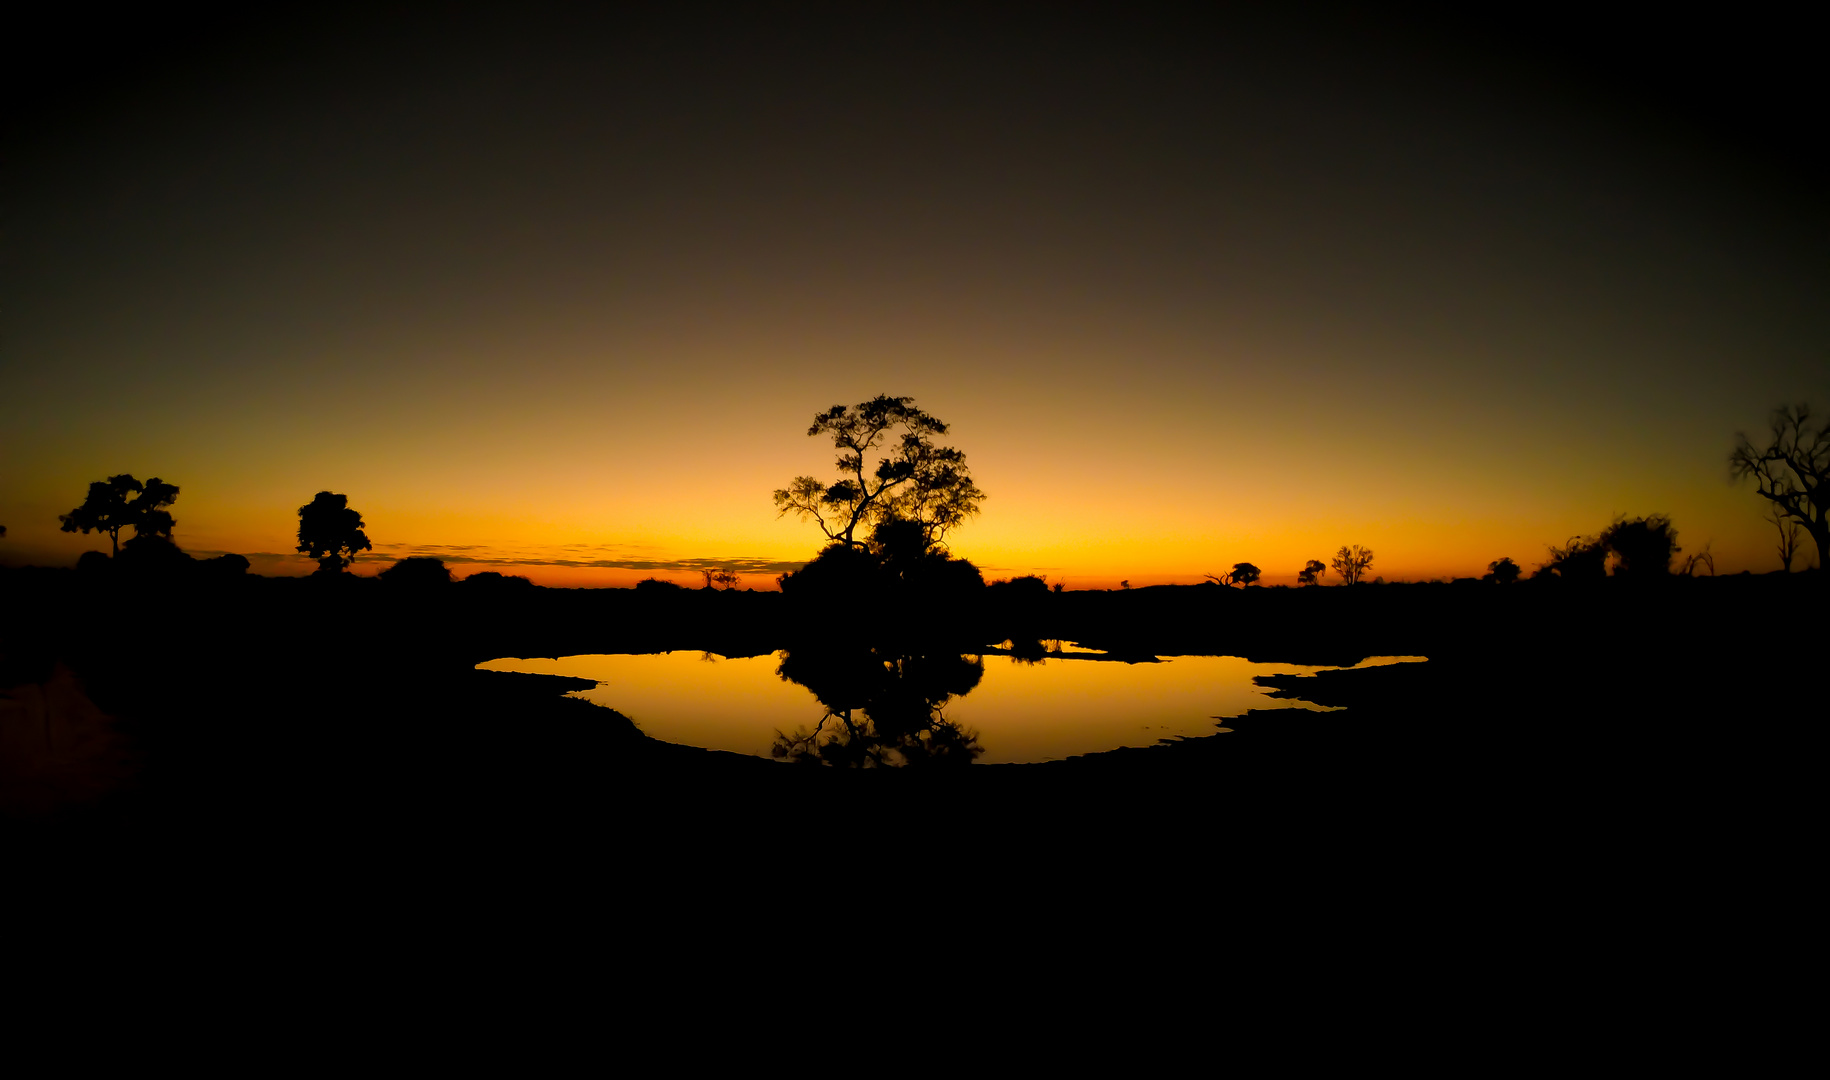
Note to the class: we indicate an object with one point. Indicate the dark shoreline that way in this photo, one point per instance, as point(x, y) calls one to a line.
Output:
point(261, 704)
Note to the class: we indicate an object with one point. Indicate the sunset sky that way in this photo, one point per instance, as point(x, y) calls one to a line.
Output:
point(559, 296)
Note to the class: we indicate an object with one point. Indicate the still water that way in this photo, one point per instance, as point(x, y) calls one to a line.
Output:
point(1021, 712)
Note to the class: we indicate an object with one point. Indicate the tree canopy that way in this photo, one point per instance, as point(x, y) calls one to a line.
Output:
point(120, 501)
point(331, 532)
point(1792, 472)
point(914, 480)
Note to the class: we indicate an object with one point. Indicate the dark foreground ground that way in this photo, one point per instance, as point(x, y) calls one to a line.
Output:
point(249, 720)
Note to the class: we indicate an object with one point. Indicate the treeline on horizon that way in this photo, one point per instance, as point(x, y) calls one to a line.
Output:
point(886, 526)
point(1638, 548)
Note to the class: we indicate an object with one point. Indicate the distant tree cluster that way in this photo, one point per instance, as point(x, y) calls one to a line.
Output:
point(1640, 548)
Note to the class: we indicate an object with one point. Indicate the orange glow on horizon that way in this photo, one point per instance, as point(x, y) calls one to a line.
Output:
point(1184, 300)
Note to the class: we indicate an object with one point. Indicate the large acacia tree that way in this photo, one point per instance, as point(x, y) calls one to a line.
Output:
point(1792, 472)
point(913, 480)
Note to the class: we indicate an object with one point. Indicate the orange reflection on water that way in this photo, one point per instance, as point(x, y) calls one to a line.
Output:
point(1022, 712)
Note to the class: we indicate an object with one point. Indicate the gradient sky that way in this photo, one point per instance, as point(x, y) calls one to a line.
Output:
point(559, 296)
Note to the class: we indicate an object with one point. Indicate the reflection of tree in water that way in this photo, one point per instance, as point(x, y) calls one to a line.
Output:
point(883, 708)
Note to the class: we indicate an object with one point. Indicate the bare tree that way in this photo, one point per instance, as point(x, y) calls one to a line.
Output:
point(1351, 563)
point(1788, 536)
point(1792, 472)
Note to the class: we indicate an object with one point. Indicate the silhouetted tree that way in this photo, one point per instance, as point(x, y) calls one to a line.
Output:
point(331, 532)
point(1311, 572)
point(416, 571)
point(1351, 563)
point(917, 481)
point(1502, 571)
point(1792, 472)
point(1698, 561)
point(1788, 536)
point(1642, 547)
point(120, 501)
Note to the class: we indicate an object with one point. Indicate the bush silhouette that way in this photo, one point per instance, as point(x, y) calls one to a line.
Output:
point(1642, 547)
point(1502, 571)
point(490, 579)
point(417, 571)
